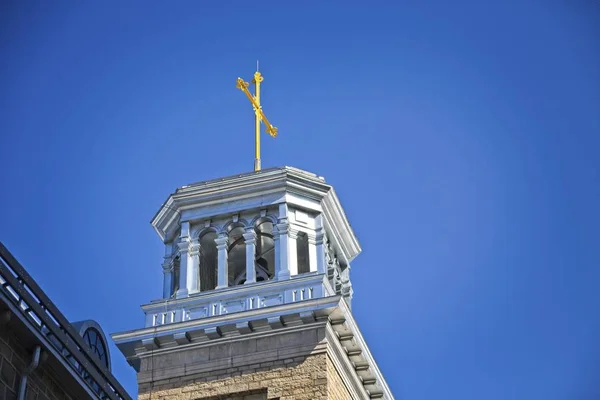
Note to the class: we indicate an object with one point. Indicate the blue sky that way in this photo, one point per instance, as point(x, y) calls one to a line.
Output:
point(462, 138)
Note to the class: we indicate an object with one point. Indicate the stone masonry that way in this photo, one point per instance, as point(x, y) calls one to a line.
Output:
point(336, 390)
point(290, 365)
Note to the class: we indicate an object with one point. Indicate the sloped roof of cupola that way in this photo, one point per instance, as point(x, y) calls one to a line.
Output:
point(228, 195)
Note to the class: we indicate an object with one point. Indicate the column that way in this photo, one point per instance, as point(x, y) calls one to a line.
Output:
point(321, 265)
point(184, 263)
point(222, 270)
point(312, 252)
point(167, 283)
point(293, 251)
point(285, 251)
point(193, 279)
point(250, 241)
point(277, 250)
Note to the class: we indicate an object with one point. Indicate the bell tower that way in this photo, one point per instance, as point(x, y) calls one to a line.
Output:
point(257, 295)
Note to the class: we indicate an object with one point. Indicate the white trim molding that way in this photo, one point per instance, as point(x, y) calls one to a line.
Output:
point(234, 194)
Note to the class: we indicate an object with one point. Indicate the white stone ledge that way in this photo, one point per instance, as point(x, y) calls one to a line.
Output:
point(237, 299)
point(203, 331)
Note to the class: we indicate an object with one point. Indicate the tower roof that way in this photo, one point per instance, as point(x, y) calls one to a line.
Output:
point(232, 194)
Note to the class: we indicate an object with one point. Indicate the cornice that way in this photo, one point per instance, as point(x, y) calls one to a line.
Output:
point(171, 337)
point(344, 366)
point(227, 319)
point(245, 187)
point(230, 339)
point(340, 227)
point(351, 326)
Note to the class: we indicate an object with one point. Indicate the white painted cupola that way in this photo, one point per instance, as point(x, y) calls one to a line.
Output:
point(252, 241)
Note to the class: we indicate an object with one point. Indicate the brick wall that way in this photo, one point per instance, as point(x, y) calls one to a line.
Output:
point(41, 384)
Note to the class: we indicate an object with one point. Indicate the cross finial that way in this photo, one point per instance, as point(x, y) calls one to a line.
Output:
point(260, 116)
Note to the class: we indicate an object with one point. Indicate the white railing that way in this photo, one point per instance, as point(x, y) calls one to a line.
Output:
point(237, 299)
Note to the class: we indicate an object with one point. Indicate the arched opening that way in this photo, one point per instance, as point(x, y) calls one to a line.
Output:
point(265, 251)
point(94, 340)
point(208, 261)
point(302, 253)
point(175, 276)
point(236, 254)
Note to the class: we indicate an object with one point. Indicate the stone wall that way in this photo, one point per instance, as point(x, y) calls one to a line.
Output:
point(289, 365)
point(294, 364)
point(299, 379)
point(336, 389)
point(41, 384)
point(250, 395)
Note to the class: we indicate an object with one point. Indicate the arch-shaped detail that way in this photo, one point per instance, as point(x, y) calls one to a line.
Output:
point(229, 225)
point(201, 230)
point(83, 327)
point(259, 219)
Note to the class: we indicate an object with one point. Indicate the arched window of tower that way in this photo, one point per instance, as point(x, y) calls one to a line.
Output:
point(208, 261)
point(265, 251)
point(236, 257)
point(264, 255)
point(302, 253)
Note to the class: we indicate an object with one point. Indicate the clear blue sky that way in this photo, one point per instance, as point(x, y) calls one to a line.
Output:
point(463, 139)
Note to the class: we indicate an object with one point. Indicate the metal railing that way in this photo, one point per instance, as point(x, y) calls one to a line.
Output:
point(31, 300)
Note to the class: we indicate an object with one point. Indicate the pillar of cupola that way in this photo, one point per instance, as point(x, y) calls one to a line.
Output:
point(250, 242)
point(183, 247)
point(285, 251)
point(167, 267)
point(188, 262)
point(222, 267)
point(193, 278)
point(184, 263)
point(313, 252)
point(293, 251)
point(317, 249)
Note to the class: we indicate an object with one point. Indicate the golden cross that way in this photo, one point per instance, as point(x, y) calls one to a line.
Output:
point(260, 116)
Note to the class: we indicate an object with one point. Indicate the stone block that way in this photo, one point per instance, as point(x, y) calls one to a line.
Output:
point(243, 347)
point(219, 351)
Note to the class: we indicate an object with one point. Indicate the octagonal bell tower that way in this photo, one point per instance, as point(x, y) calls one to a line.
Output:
point(256, 295)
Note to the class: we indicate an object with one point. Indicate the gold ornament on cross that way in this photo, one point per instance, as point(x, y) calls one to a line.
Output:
point(260, 116)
